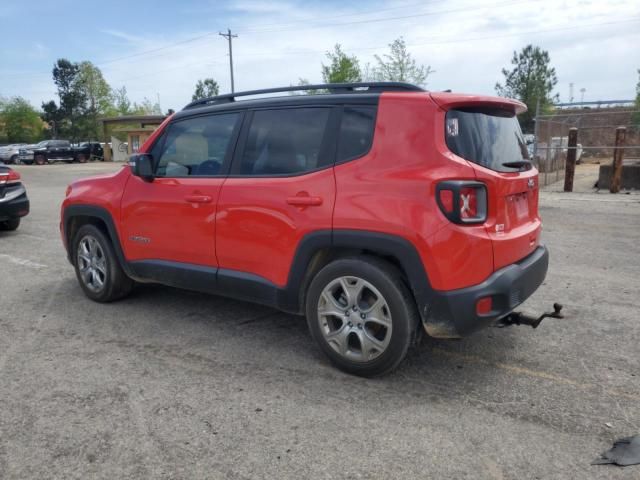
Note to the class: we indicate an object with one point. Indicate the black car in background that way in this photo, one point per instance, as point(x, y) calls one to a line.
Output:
point(49, 151)
point(88, 151)
point(54, 151)
point(14, 203)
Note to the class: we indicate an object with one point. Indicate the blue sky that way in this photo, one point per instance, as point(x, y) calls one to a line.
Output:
point(161, 48)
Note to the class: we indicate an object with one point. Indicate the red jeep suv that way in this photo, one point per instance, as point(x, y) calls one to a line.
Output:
point(375, 209)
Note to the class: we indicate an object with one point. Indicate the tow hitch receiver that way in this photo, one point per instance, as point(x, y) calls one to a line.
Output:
point(519, 318)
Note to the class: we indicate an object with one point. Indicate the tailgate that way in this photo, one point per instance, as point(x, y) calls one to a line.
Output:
point(485, 132)
point(513, 222)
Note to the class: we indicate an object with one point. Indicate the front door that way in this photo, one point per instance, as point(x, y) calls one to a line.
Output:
point(281, 187)
point(172, 218)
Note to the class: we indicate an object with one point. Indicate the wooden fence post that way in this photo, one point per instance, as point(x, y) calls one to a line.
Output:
point(570, 166)
point(618, 154)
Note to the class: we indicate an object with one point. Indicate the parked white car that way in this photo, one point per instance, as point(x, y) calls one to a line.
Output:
point(25, 152)
point(10, 153)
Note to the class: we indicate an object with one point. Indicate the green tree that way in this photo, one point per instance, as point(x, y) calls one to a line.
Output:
point(52, 116)
point(342, 68)
point(301, 83)
point(97, 99)
point(121, 103)
point(530, 79)
point(205, 88)
point(399, 66)
point(20, 122)
point(146, 107)
point(71, 99)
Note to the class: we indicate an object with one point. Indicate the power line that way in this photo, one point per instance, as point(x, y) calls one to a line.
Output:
point(388, 19)
point(315, 18)
point(459, 39)
point(376, 20)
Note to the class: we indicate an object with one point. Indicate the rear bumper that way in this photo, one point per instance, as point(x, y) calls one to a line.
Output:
point(14, 207)
point(452, 314)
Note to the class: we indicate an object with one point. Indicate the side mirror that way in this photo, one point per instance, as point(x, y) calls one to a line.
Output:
point(142, 166)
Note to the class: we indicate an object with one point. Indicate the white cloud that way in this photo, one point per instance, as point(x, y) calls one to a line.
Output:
point(466, 42)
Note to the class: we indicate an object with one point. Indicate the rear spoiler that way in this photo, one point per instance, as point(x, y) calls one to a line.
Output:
point(447, 101)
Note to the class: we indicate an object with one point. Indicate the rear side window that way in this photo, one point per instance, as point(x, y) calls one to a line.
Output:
point(488, 137)
point(285, 141)
point(196, 146)
point(356, 132)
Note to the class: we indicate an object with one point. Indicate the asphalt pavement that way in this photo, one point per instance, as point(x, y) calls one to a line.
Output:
point(174, 384)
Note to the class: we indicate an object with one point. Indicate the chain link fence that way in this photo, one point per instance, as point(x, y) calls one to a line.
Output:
point(596, 138)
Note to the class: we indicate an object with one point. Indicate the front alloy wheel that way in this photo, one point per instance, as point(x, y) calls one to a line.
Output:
point(97, 268)
point(92, 264)
point(355, 319)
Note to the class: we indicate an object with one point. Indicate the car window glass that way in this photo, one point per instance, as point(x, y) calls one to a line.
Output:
point(196, 147)
point(285, 141)
point(356, 132)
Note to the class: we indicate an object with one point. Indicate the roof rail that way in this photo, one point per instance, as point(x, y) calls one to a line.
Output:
point(365, 87)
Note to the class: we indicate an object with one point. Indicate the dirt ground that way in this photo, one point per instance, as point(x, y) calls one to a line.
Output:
point(173, 384)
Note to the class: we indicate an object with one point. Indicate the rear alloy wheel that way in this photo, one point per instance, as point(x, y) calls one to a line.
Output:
point(40, 160)
point(97, 267)
point(362, 315)
point(10, 225)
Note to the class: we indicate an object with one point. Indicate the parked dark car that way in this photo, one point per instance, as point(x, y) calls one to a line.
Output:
point(87, 151)
point(54, 151)
point(47, 151)
point(14, 203)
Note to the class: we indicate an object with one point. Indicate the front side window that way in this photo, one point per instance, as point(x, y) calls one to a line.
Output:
point(284, 142)
point(196, 146)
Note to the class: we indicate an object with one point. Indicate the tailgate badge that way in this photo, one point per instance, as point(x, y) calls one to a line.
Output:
point(531, 183)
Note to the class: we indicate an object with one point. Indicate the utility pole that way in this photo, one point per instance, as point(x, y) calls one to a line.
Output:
point(571, 93)
point(229, 37)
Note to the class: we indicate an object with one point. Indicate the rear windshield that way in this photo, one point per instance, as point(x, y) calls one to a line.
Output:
point(488, 137)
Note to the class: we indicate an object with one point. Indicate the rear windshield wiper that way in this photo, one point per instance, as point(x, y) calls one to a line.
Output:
point(518, 164)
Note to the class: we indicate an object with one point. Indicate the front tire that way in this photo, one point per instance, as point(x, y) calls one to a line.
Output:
point(40, 160)
point(97, 268)
point(10, 225)
point(362, 315)
point(15, 160)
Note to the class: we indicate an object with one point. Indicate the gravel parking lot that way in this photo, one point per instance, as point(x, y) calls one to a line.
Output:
point(173, 384)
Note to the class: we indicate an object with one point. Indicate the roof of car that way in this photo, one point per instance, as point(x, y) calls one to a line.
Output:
point(329, 94)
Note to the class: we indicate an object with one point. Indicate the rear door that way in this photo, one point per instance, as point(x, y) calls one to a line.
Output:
point(281, 187)
point(173, 218)
point(489, 137)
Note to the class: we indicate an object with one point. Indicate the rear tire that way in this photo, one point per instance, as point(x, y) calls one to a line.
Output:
point(97, 267)
point(15, 160)
point(10, 225)
point(362, 315)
